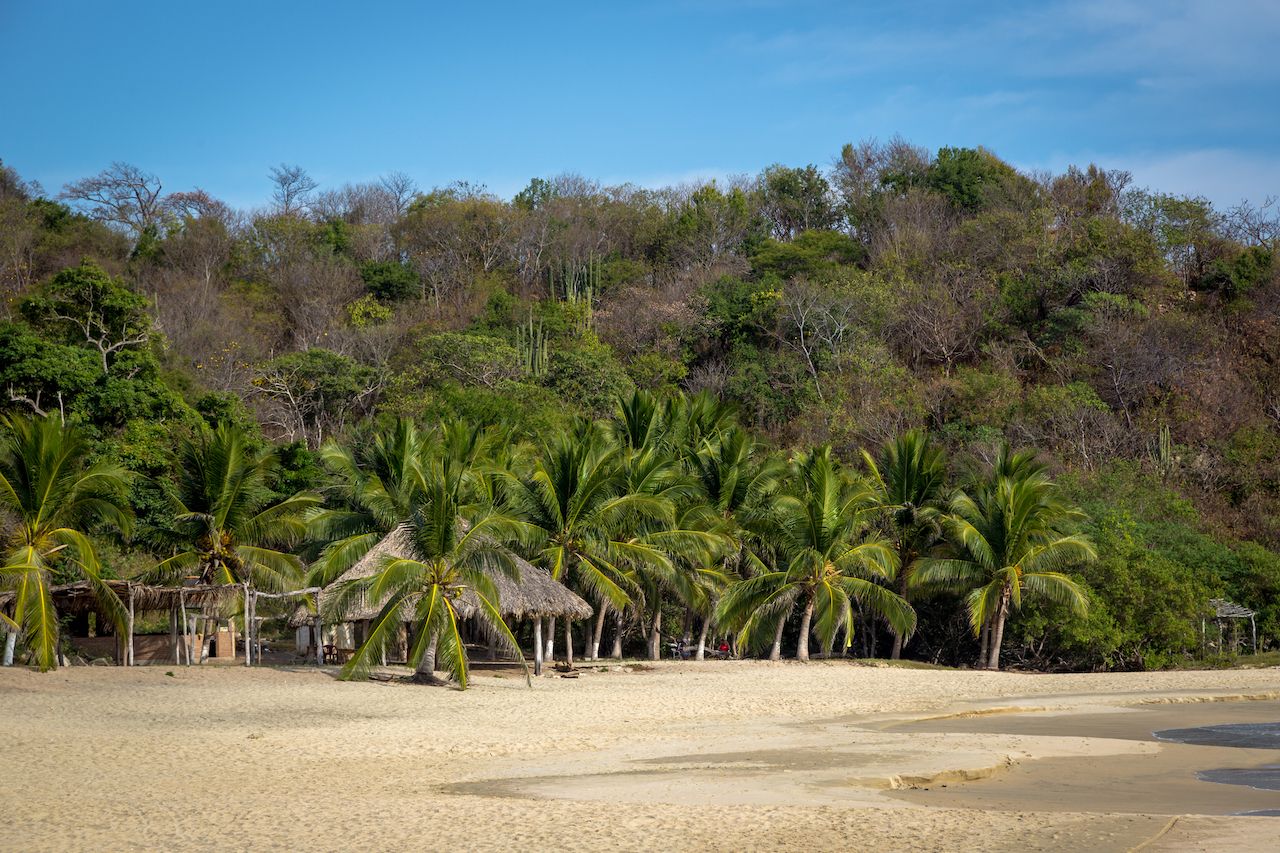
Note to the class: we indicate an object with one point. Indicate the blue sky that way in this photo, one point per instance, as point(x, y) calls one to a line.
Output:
point(1184, 94)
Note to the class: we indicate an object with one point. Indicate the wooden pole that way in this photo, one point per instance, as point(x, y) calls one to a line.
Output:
point(186, 633)
point(129, 651)
point(537, 645)
point(248, 636)
point(173, 635)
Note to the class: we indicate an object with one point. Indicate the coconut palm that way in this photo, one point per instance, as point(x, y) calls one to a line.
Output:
point(53, 496)
point(230, 525)
point(821, 555)
point(909, 481)
point(1013, 537)
point(455, 544)
point(375, 484)
point(736, 477)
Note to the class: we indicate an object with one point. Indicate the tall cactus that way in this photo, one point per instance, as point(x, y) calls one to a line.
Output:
point(531, 341)
point(577, 286)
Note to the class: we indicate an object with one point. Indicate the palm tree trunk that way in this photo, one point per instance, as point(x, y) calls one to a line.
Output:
point(655, 634)
point(568, 642)
point(10, 643)
point(997, 633)
point(594, 653)
point(686, 631)
point(702, 639)
point(902, 590)
point(537, 645)
point(617, 637)
point(426, 671)
point(776, 652)
point(984, 643)
point(550, 653)
point(802, 647)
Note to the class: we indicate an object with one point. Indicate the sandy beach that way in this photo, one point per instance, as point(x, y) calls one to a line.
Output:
point(717, 756)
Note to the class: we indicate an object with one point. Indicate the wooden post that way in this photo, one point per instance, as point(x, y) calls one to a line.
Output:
point(173, 635)
point(186, 633)
point(537, 645)
point(248, 641)
point(568, 641)
point(129, 649)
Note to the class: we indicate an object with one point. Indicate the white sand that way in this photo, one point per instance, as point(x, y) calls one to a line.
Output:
point(727, 756)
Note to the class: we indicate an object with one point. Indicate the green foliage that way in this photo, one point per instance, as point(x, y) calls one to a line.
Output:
point(587, 378)
point(967, 176)
point(1239, 275)
point(810, 254)
point(390, 281)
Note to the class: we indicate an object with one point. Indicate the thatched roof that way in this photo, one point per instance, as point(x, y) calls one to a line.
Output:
point(1223, 609)
point(535, 594)
point(80, 597)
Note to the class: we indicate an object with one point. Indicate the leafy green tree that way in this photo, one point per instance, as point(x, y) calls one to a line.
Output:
point(796, 200)
point(230, 528)
point(390, 281)
point(54, 498)
point(1011, 536)
point(823, 556)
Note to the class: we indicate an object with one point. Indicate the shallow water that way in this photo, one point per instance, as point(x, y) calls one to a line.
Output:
point(1243, 735)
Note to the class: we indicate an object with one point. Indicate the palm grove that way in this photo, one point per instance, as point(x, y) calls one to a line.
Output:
point(778, 408)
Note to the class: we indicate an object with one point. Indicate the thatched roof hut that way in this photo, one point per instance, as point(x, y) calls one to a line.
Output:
point(534, 595)
point(80, 597)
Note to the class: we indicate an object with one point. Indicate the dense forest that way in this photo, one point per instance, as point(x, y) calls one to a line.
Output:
point(1130, 338)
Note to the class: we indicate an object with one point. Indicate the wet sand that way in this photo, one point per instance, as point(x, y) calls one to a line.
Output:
point(1162, 782)
point(684, 756)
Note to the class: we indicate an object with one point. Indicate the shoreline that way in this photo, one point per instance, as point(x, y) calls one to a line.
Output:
point(714, 755)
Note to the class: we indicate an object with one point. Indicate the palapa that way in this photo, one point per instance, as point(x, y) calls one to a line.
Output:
point(535, 594)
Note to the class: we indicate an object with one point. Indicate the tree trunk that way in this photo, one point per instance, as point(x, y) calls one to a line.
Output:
point(617, 637)
point(550, 653)
point(594, 652)
point(568, 642)
point(10, 643)
point(537, 645)
point(702, 639)
point(902, 590)
point(686, 630)
point(802, 646)
point(776, 652)
point(655, 634)
point(997, 632)
point(426, 671)
point(984, 639)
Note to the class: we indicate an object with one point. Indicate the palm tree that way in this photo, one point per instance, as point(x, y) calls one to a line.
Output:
point(909, 480)
point(735, 477)
point(376, 484)
point(229, 523)
point(53, 496)
point(454, 545)
point(1012, 536)
point(824, 558)
point(592, 526)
